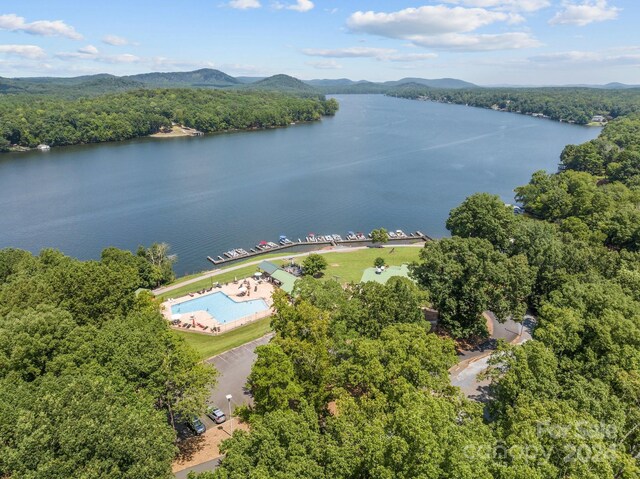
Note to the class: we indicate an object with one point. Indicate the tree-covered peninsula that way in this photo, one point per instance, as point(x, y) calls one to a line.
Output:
point(570, 104)
point(29, 120)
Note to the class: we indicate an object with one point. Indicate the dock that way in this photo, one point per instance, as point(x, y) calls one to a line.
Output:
point(417, 236)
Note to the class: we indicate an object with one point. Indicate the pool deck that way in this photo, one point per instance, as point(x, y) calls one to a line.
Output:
point(257, 290)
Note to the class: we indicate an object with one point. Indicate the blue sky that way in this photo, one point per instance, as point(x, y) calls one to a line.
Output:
point(527, 42)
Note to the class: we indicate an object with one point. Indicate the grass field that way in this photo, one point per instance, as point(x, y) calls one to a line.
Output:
point(344, 267)
point(348, 267)
point(207, 345)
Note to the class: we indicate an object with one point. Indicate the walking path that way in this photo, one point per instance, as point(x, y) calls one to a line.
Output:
point(210, 274)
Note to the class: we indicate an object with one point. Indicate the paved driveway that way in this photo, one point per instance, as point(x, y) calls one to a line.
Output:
point(234, 367)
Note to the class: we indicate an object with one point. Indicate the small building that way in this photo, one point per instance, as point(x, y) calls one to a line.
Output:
point(281, 278)
point(268, 267)
point(598, 119)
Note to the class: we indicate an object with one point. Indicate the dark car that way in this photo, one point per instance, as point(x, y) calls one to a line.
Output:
point(216, 415)
point(197, 426)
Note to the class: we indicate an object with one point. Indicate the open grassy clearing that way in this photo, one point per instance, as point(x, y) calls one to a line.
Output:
point(207, 345)
point(348, 267)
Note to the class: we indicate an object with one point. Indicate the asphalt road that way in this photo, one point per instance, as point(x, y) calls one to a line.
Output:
point(475, 361)
point(234, 367)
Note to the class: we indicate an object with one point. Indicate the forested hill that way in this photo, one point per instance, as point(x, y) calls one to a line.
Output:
point(283, 83)
point(204, 77)
point(576, 105)
point(28, 121)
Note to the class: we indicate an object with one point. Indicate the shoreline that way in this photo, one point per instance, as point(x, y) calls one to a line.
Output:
point(502, 110)
point(190, 133)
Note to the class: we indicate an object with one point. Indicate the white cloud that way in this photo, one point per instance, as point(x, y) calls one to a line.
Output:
point(91, 53)
point(123, 58)
point(23, 51)
point(14, 23)
point(301, 6)
point(626, 56)
point(584, 13)
point(477, 43)
point(508, 5)
point(244, 4)
point(115, 40)
point(384, 54)
point(427, 20)
point(443, 27)
point(352, 52)
point(325, 65)
point(411, 57)
point(89, 50)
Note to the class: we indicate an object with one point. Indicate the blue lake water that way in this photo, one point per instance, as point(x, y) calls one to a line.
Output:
point(380, 161)
point(221, 307)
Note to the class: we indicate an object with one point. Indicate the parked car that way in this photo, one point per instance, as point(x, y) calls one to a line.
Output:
point(216, 415)
point(196, 425)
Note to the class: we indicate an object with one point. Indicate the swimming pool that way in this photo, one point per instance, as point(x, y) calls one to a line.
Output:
point(221, 307)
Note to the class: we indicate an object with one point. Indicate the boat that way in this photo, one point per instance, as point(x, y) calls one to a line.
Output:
point(272, 244)
point(337, 238)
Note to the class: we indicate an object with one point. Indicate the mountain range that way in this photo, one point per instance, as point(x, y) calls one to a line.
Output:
point(211, 78)
point(208, 78)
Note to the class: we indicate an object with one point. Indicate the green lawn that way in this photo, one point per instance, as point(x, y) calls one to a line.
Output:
point(348, 267)
point(207, 345)
point(345, 267)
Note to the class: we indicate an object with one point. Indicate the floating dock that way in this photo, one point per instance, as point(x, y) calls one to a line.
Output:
point(417, 236)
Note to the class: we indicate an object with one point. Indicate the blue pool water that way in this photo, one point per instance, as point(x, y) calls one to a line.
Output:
point(221, 307)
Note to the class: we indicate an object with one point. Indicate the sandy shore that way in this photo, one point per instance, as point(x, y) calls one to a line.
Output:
point(176, 131)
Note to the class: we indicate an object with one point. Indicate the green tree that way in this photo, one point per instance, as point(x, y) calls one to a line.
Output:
point(314, 265)
point(485, 216)
point(467, 276)
point(378, 262)
point(379, 235)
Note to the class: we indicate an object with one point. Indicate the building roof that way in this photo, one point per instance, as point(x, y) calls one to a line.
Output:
point(370, 274)
point(268, 267)
point(287, 280)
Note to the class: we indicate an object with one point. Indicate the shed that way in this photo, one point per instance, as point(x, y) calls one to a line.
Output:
point(268, 267)
point(286, 280)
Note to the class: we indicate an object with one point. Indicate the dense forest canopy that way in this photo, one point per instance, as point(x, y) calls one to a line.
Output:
point(571, 104)
point(91, 377)
point(28, 120)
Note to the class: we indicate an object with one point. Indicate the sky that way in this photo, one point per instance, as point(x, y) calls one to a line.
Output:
point(487, 42)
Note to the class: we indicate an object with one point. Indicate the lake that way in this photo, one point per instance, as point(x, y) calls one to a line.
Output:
point(380, 161)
